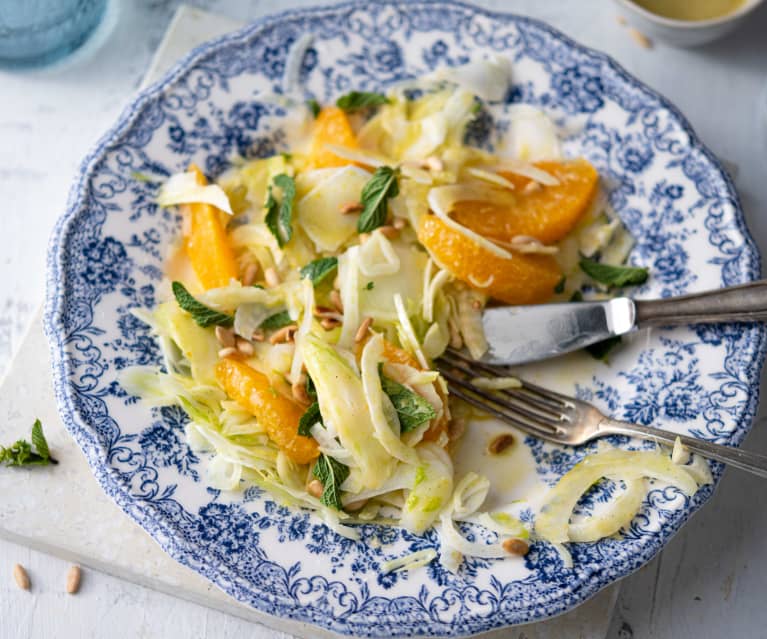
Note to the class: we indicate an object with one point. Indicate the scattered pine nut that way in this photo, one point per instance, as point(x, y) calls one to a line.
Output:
point(228, 351)
point(315, 488)
point(329, 323)
point(285, 334)
point(21, 577)
point(73, 580)
point(531, 187)
point(353, 506)
point(244, 347)
point(362, 331)
point(456, 341)
point(225, 336)
point(325, 311)
point(298, 390)
point(399, 223)
point(335, 300)
point(640, 38)
point(456, 428)
point(271, 277)
point(351, 207)
point(388, 231)
point(476, 305)
point(364, 237)
point(258, 335)
point(249, 276)
point(517, 547)
point(433, 163)
point(500, 444)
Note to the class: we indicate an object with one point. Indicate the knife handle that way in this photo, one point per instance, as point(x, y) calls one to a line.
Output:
point(744, 303)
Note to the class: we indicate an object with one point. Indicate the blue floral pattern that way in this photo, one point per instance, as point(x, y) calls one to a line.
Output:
point(106, 259)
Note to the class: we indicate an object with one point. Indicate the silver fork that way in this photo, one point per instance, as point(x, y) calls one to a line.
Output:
point(567, 420)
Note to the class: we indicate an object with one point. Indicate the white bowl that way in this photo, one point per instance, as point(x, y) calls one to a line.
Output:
point(684, 33)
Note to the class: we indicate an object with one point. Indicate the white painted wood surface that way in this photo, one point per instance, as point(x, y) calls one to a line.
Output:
point(50, 118)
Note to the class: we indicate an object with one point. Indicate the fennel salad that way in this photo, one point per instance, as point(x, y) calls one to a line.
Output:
point(308, 294)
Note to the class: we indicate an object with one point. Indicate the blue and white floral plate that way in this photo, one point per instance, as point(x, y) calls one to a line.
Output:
point(106, 258)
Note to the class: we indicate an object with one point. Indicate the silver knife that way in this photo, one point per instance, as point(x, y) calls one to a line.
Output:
point(522, 334)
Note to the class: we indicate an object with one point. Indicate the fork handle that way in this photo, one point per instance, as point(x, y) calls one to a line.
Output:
point(751, 462)
point(744, 303)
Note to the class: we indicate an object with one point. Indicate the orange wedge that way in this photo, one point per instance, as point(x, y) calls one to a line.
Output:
point(206, 244)
point(519, 279)
point(331, 127)
point(278, 414)
point(547, 213)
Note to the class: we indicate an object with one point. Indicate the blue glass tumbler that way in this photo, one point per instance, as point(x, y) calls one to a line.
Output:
point(38, 32)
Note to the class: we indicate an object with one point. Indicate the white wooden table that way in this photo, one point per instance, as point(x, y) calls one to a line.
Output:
point(708, 582)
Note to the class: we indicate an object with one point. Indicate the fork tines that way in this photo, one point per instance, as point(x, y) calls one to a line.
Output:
point(530, 408)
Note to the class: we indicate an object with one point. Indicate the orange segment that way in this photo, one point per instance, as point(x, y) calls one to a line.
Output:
point(547, 213)
point(520, 279)
point(276, 413)
point(206, 245)
point(331, 127)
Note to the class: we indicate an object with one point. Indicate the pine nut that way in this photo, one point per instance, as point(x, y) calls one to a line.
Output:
point(315, 488)
point(73, 580)
point(433, 163)
point(476, 305)
point(351, 207)
point(353, 506)
point(285, 334)
point(500, 444)
point(244, 347)
point(517, 547)
point(399, 223)
point(364, 237)
point(298, 390)
point(271, 277)
point(21, 577)
point(388, 231)
point(228, 351)
point(362, 331)
point(249, 276)
point(335, 300)
point(531, 187)
point(258, 335)
point(329, 323)
point(640, 38)
point(225, 336)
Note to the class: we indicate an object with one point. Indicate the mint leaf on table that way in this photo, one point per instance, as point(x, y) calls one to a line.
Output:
point(203, 315)
point(278, 320)
point(412, 409)
point(279, 216)
point(356, 100)
point(614, 276)
point(21, 454)
point(311, 417)
point(314, 107)
point(374, 199)
point(317, 270)
point(332, 474)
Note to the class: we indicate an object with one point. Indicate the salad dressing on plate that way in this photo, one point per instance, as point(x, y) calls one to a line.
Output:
point(691, 10)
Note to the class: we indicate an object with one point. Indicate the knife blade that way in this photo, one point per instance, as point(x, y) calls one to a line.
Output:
point(522, 334)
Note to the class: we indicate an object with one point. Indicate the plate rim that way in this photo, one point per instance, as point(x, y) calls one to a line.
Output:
point(162, 532)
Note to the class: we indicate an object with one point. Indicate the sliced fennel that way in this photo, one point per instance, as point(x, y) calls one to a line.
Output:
point(182, 188)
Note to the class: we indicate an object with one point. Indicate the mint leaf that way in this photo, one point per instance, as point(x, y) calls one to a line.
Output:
point(332, 474)
point(560, 287)
point(314, 107)
point(311, 417)
point(412, 409)
point(378, 189)
point(355, 100)
point(577, 296)
point(278, 320)
point(614, 276)
point(279, 217)
point(311, 391)
point(370, 285)
point(203, 315)
point(319, 269)
point(21, 454)
point(600, 350)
